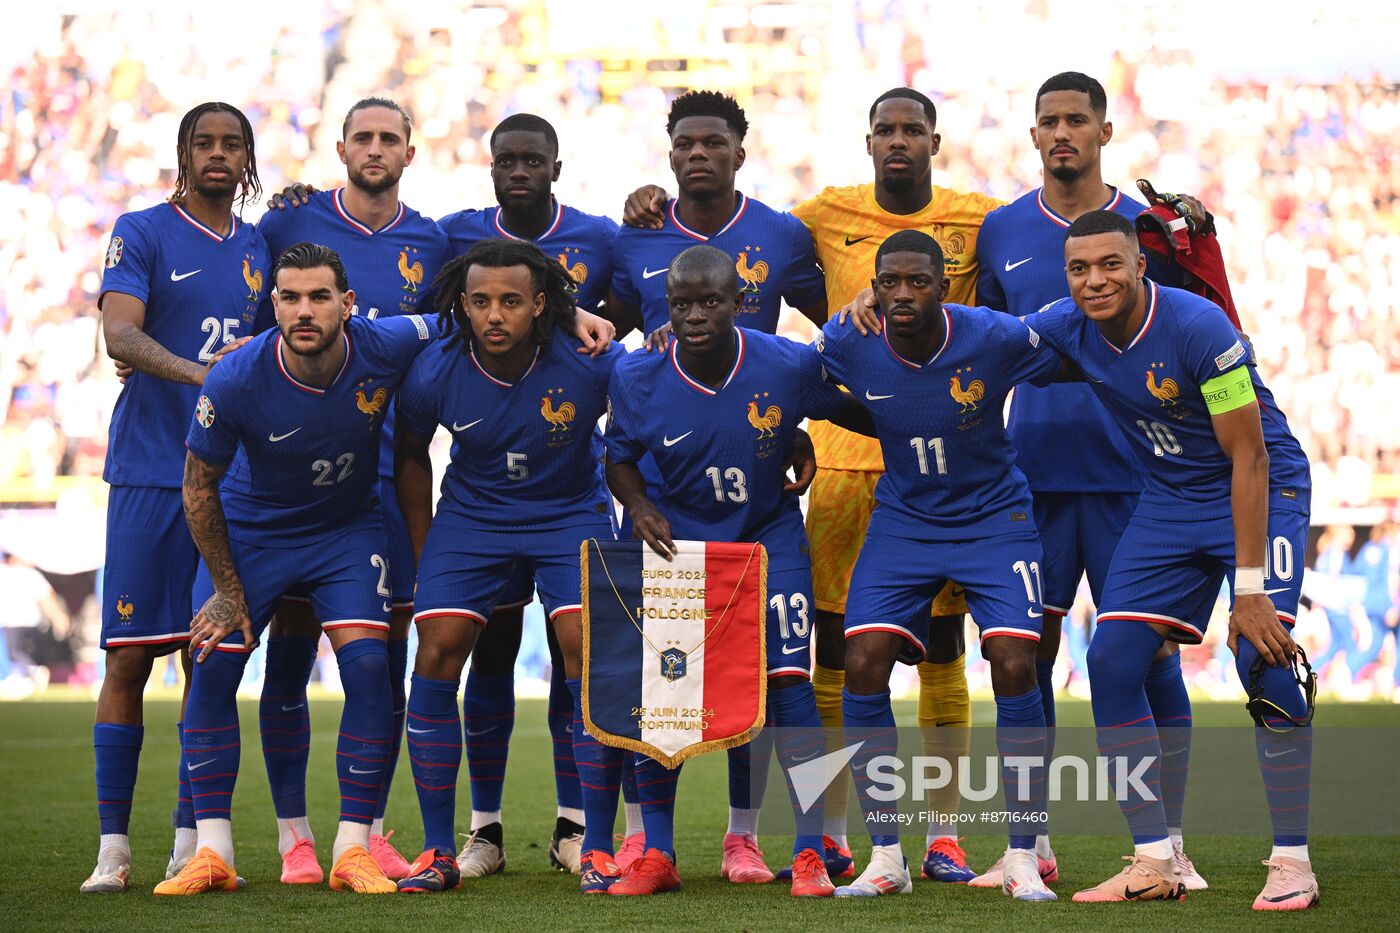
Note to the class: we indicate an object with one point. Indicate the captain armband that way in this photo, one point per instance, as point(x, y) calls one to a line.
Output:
point(1229, 391)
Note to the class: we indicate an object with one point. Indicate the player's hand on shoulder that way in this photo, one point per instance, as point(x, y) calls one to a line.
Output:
point(596, 333)
point(294, 195)
point(221, 616)
point(1255, 618)
point(643, 207)
point(649, 525)
point(802, 459)
point(222, 352)
point(1248, 345)
point(862, 312)
point(658, 339)
point(123, 371)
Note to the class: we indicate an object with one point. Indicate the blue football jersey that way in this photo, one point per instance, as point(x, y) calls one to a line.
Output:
point(773, 257)
point(302, 459)
point(581, 243)
point(949, 466)
point(1152, 388)
point(201, 290)
point(1022, 251)
point(391, 270)
point(522, 452)
point(716, 470)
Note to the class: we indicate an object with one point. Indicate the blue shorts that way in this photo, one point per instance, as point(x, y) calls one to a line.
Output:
point(789, 631)
point(896, 578)
point(1078, 533)
point(1170, 572)
point(149, 573)
point(345, 576)
point(466, 568)
point(403, 569)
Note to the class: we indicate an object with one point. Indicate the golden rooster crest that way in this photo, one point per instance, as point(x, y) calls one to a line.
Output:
point(766, 422)
point(412, 272)
point(125, 609)
point(578, 272)
point(560, 417)
point(371, 404)
point(968, 398)
point(1165, 391)
point(253, 278)
point(753, 275)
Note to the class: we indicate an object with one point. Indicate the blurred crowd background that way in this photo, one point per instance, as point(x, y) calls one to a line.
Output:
point(1294, 149)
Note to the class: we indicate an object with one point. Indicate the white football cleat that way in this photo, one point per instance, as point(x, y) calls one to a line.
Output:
point(1021, 876)
point(109, 877)
point(480, 857)
point(884, 875)
point(1189, 876)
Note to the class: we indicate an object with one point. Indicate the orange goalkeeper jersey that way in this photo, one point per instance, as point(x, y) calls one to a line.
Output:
point(848, 226)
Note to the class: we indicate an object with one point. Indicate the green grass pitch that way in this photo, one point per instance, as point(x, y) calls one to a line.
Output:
point(50, 843)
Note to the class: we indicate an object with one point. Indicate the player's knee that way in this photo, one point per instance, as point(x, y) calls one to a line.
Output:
point(785, 681)
point(1101, 656)
point(129, 667)
point(1012, 663)
point(439, 657)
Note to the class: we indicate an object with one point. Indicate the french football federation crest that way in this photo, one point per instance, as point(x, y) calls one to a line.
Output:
point(751, 275)
point(411, 271)
point(114, 252)
point(204, 412)
point(371, 405)
point(125, 607)
point(966, 397)
point(771, 417)
point(672, 664)
point(1165, 391)
point(578, 272)
point(253, 278)
point(558, 418)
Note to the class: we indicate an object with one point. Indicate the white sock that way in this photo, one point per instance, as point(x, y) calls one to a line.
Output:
point(835, 827)
point(632, 812)
point(572, 814)
point(289, 832)
point(186, 842)
point(482, 818)
point(1042, 847)
point(114, 847)
point(1161, 849)
point(217, 835)
point(1178, 842)
point(376, 828)
point(742, 821)
point(349, 834)
point(935, 834)
point(1294, 852)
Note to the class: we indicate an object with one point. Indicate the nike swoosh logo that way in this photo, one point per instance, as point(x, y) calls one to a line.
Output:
point(1282, 589)
point(201, 764)
point(463, 427)
point(388, 606)
point(1092, 379)
point(355, 770)
point(419, 731)
point(1012, 265)
point(673, 441)
point(652, 273)
point(1129, 893)
point(177, 277)
point(1032, 614)
point(852, 242)
point(787, 650)
point(875, 398)
point(1269, 752)
point(288, 709)
point(958, 593)
point(481, 731)
point(274, 438)
point(799, 758)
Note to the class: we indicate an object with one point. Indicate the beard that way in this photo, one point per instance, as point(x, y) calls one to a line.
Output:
point(898, 184)
point(1066, 173)
point(383, 183)
point(326, 341)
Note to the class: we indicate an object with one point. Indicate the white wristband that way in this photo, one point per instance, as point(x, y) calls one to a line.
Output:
point(1249, 581)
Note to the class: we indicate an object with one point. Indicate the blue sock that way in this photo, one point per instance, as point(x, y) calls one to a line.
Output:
point(1285, 756)
point(212, 742)
point(488, 717)
point(184, 804)
point(656, 785)
point(870, 720)
point(599, 774)
point(629, 780)
point(1021, 732)
point(1171, 711)
point(567, 793)
point(435, 755)
point(285, 722)
point(1119, 657)
point(366, 721)
point(118, 750)
point(792, 713)
point(398, 666)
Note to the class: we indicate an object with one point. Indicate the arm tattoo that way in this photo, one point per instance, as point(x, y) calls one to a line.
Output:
point(204, 513)
point(137, 349)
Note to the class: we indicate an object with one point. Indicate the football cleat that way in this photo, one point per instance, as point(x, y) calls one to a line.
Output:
point(946, 861)
point(357, 871)
point(1144, 879)
point(653, 873)
point(598, 872)
point(299, 864)
point(566, 849)
point(743, 860)
point(434, 870)
point(631, 849)
point(481, 857)
point(109, 877)
point(1291, 885)
point(882, 876)
point(205, 872)
point(1189, 876)
point(1021, 876)
point(839, 861)
point(394, 865)
point(994, 877)
point(809, 875)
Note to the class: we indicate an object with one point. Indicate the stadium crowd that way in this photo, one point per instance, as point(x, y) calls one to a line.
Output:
point(1302, 177)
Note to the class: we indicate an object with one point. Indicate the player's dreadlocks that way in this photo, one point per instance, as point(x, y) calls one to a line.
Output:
point(546, 276)
point(248, 186)
point(708, 104)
